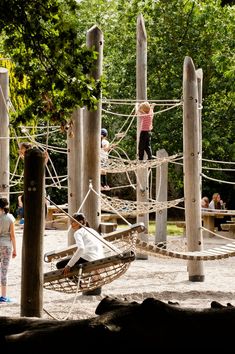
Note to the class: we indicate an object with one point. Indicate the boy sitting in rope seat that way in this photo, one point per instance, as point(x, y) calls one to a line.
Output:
point(89, 247)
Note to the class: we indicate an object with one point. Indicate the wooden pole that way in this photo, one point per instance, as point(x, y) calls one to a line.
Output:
point(92, 128)
point(32, 247)
point(191, 152)
point(199, 73)
point(161, 193)
point(91, 145)
point(141, 94)
point(4, 133)
point(75, 163)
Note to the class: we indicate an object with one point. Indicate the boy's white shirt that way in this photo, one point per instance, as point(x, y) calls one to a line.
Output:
point(89, 247)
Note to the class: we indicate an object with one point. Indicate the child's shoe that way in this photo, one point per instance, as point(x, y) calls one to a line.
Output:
point(5, 299)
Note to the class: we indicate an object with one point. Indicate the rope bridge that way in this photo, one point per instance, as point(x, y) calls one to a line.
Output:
point(128, 207)
point(117, 165)
point(210, 254)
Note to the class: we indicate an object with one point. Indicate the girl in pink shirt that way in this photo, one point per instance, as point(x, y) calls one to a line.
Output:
point(145, 112)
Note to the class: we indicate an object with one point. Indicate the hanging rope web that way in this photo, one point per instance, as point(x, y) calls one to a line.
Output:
point(119, 165)
point(128, 207)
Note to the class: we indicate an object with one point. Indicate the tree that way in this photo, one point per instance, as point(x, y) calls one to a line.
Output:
point(42, 40)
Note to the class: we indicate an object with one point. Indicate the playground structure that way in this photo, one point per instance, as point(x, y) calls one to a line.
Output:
point(80, 155)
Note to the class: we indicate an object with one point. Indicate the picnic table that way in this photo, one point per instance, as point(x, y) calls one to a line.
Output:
point(209, 218)
point(52, 209)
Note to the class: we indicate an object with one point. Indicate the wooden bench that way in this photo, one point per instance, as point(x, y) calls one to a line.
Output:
point(58, 224)
point(107, 227)
point(229, 227)
point(109, 218)
point(115, 217)
point(52, 209)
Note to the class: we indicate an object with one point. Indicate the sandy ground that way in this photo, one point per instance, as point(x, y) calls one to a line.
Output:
point(160, 277)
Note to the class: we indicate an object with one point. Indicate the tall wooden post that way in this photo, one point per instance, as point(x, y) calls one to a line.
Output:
point(92, 128)
point(141, 94)
point(32, 248)
point(199, 73)
point(191, 152)
point(161, 195)
point(75, 166)
point(4, 133)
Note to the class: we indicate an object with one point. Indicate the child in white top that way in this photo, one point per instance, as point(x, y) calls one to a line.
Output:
point(7, 245)
point(89, 247)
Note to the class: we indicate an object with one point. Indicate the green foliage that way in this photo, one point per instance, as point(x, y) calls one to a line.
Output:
point(203, 30)
point(42, 41)
point(50, 56)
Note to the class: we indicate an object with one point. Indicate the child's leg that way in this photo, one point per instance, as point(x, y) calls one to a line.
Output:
point(102, 179)
point(61, 264)
point(148, 148)
point(141, 146)
point(5, 260)
point(105, 180)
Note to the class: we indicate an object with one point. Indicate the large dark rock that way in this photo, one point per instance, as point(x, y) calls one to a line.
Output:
point(124, 326)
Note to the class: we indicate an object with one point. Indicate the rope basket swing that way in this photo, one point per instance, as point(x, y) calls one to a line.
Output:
point(91, 275)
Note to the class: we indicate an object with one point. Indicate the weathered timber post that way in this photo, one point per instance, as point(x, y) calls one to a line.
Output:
point(91, 145)
point(141, 94)
point(4, 133)
point(191, 152)
point(32, 247)
point(92, 127)
point(199, 74)
point(161, 196)
point(75, 164)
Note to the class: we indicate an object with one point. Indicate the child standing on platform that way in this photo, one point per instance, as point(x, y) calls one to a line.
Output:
point(145, 113)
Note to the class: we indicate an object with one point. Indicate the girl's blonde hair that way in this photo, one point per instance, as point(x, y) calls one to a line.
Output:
point(144, 107)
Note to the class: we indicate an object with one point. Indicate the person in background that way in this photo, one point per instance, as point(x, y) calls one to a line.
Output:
point(89, 248)
point(145, 112)
point(205, 203)
point(217, 203)
point(20, 209)
point(104, 152)
point(7, 245)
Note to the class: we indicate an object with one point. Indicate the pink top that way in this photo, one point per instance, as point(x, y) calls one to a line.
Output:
point(146, 121)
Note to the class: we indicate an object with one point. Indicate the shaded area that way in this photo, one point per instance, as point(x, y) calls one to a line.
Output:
point(122, 325)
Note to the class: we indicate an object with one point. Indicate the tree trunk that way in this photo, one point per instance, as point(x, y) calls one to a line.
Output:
point(123, 326)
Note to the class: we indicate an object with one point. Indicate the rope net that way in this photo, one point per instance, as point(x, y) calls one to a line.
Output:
point(132, 208)
point(118, 165)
